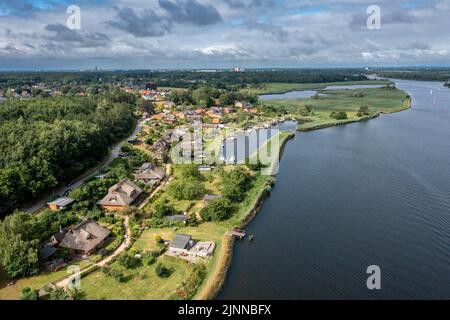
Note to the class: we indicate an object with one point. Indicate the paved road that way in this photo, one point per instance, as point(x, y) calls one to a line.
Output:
point(63, 283)
point(37, 205)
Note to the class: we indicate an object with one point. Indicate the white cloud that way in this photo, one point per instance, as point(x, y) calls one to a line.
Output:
point(257, 32)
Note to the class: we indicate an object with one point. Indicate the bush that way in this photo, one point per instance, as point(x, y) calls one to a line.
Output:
point(158, 239)
point(363, 111)
point(162, 271)
point(341, 115)
point(95, 258)
point(162, 207)
point(187, 189)
point(149, 140)
point(149, 259)
point(58, 294)
point(127, 261)
point(113, 273)
point(115, 244)
point(29, 294)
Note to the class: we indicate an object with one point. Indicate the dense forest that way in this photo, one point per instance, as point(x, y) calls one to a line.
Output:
point(46, 142)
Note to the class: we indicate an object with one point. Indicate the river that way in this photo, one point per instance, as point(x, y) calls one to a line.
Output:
point(369, 193)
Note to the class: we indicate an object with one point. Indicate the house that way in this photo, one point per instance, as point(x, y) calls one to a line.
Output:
point(181, 244)
point(120, 195)
point(215, 121)
point(148, 172)
point(48, 259)
point(184, 247)
point(209, 197)
point(204, 168)
point(159, 148)
point(60, 203)
point(83, 239)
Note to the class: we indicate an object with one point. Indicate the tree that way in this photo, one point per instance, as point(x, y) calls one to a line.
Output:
point(127, 261)
point(217, 210)
point(186, 189)
point(190, 171)
point(363, 111)
point(162, 207)
point(341, 115)
point(18, 246)
point(235, 184)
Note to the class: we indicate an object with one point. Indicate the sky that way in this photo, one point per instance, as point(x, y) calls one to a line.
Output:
point(176, 34)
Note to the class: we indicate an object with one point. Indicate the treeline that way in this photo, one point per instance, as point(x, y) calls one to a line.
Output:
point(180, 79)
point(205, 96)
point(20, 237)
point(421, 75)
point(46, 142)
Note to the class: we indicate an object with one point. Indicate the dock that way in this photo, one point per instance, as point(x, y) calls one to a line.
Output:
point(238, 233)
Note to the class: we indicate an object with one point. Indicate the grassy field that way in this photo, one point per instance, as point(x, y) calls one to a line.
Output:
point(142, 282)
point(272, 88)
point(378, 100)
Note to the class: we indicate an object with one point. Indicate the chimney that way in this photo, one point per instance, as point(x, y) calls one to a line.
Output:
point(61, 229)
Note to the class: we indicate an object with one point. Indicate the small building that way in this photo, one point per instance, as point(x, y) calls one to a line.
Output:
point(203, 249)
point(204, 168)
point(60, 203)
point(181, 244)
point(184, 247)
point(83, 239)
point(120, 196)
point(48, 259)
point(209, 197)
point(46, 253)
point(178, 218)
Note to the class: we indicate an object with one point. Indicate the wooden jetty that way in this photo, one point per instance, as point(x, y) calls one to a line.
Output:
point(238, 233)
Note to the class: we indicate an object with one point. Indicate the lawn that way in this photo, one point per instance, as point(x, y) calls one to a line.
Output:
point(143, 283)
point(36, 282)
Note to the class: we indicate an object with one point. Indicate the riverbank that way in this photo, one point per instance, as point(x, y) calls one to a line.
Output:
point(324, 121)
point(215, 281)
point(378, 185)
point(218, 277)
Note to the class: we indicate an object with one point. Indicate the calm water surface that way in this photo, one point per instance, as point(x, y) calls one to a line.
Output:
point(348, 197)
